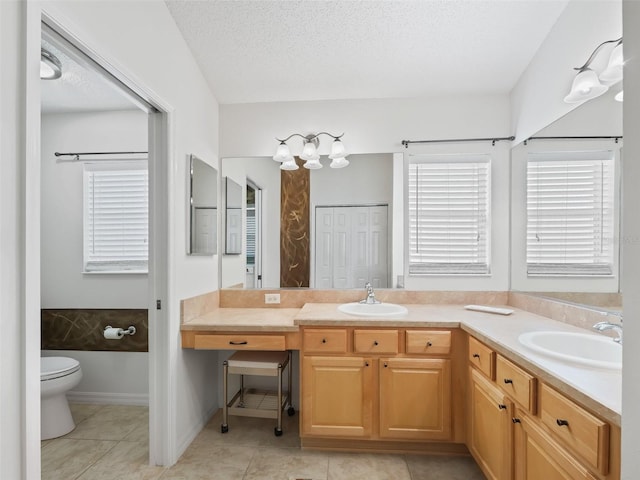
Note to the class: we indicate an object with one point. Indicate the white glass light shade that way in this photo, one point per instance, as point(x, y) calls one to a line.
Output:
point(339, 162)
point(313, 164)
point(585, 87)
point(50, 67)
point(613, 73)
point(282, 153)
point(289, 164)
point(337, 150)
point(309, 152)
point(619, 96)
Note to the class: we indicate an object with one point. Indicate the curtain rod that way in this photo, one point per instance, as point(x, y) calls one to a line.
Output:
point(78, 154)
point(493, 140)
point(596, 137)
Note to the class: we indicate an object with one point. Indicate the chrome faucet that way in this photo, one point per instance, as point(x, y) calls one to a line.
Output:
point(371, 296)
point(603, 326)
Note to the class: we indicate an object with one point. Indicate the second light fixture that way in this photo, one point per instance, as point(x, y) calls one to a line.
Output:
point(310, 152)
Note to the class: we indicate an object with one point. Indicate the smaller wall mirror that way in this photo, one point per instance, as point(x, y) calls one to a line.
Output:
point(203, 202)
point(233, 217)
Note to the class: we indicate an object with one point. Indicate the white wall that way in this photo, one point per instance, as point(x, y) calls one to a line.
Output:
point(63, 283)
point(379, 126)
point(537, 98)
point(631, 245)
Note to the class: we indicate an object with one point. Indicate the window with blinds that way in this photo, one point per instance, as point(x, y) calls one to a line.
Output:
point(116, 218)
point(449, 215)
point(570, 214)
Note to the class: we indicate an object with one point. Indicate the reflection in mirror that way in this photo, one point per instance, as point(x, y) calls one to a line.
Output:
point(600, 117)
point(203, 202)
point(233, 217)
point(363, 190)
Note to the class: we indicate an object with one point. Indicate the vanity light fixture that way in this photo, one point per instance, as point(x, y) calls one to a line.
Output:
point(310, 152)
point(50, 66)
point(586, 85)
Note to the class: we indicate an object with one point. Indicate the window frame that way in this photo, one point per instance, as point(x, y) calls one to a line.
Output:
point(453, 158)
point(89, 169)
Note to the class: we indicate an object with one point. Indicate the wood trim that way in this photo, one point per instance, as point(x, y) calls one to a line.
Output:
point(383, 446)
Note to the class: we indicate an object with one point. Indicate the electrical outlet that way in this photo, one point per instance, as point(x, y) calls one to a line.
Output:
point(271, 298)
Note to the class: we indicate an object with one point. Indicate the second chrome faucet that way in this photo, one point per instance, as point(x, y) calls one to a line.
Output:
point(371, 296)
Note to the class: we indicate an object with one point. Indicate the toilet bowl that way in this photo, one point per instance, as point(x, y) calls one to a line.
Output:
point(58, 375)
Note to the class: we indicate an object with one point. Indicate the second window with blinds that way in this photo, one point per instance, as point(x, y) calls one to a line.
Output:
point(449, 223)
point(570, 214)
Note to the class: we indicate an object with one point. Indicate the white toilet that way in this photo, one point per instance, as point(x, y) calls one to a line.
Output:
point(57, 376)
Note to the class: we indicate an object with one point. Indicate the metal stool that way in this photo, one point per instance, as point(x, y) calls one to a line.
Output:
point(248, 402)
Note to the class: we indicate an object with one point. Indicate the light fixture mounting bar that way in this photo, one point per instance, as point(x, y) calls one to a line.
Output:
point(309, 137)
point(493, 140)
point(593, 55)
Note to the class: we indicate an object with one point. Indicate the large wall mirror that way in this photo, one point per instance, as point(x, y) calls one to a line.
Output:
point(599, 117)
point(355, 202)
point(203, 208)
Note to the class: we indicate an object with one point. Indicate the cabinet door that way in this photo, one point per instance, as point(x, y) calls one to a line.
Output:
point(415, 398)
point(490, 438)
point(337, 396)
point(538, 456)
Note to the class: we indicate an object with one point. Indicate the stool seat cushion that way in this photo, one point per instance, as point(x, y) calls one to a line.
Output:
point(257, 359)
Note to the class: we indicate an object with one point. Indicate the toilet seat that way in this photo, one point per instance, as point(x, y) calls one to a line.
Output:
point(57, 367)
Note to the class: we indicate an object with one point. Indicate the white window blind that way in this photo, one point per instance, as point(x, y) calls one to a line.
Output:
point(449, 216)
point(570, 214)
point(116, 218)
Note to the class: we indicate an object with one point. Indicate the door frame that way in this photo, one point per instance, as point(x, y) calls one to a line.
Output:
point(162, 370)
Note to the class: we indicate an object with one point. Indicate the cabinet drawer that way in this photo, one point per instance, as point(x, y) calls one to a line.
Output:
point(324, 341)
point(516, 383)
point(428, 342)
point(240, 342)
point(375, 341)
point(482, 357)
point(583, 433)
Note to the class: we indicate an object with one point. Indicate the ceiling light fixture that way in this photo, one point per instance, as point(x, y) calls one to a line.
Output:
point(587, 84)
point(50, 66)
point(310, 152)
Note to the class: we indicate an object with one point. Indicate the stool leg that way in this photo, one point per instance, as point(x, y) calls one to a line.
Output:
point(290, 411)
point(241, 404)
point(278, 429)
point(224, 428)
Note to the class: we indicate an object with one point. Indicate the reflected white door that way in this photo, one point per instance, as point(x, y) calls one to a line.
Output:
point(204, 229)
point(351, 247)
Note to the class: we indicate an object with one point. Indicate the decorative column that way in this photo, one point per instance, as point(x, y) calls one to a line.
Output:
point(294, 227)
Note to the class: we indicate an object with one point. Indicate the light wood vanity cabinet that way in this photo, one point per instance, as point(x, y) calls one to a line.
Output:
point(522, 429)
point(385, 386)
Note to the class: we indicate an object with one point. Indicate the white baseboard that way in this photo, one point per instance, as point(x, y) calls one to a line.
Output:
point(193, 432)
point(108, 398)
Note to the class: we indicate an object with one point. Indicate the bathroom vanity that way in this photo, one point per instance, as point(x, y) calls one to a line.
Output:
point(439, 379)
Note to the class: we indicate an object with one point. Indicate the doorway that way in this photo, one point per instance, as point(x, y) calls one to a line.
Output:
point(254, 236)
point(155, 121)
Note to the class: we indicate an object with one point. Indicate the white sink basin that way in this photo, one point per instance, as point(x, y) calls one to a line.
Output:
point(581, 348)
point(372, 309)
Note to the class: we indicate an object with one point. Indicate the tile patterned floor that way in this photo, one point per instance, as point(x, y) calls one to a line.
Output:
point(110, 442)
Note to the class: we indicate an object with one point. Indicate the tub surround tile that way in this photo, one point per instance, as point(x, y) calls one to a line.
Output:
point(83, 329)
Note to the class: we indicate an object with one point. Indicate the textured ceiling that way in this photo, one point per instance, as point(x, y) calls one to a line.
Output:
point(265, 51)
point(79, 89)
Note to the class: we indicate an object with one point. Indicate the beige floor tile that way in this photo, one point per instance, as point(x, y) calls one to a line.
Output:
point(248, 431)
point(365, 466)
point(428, 467)
point(66, 459)
point(211, 462)
point(82, 411)
point(287, 463)
point(139, 434)
point(126, 461)
point(112, 422)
